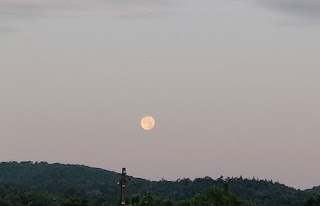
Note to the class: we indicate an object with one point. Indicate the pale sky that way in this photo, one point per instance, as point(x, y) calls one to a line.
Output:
point(233, 86)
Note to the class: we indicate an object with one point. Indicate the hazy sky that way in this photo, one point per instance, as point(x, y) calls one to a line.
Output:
point(233, 86)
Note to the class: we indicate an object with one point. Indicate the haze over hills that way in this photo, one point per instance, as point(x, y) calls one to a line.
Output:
point(94, 183)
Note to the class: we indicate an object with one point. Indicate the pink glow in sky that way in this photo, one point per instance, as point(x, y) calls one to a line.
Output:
point(233, 86)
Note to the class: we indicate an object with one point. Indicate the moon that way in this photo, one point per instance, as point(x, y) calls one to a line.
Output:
point(147, 123)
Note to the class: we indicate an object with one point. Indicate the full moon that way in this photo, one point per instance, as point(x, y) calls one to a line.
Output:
point(147, 123)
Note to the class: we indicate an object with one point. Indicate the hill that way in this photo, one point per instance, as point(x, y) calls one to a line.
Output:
point(93, 183)
point(13, 196)
point(315, 190)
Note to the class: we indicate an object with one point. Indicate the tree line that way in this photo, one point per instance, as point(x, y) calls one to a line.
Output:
point(85, 185)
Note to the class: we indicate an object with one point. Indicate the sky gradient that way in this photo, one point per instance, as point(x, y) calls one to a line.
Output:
point(233, 86)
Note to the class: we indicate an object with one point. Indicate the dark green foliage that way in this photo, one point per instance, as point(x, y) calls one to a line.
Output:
point(75, 202)
point(101, 186)
point(68, 180)
point(313, 201)
point(215, 196)
point(315, 190)
point(148, 200)
point(267, 193)
point(12, 196)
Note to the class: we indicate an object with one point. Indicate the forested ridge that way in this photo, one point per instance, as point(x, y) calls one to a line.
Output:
point(82, 185)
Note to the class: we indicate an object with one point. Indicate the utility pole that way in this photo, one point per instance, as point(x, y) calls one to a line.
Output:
point(123, 182)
